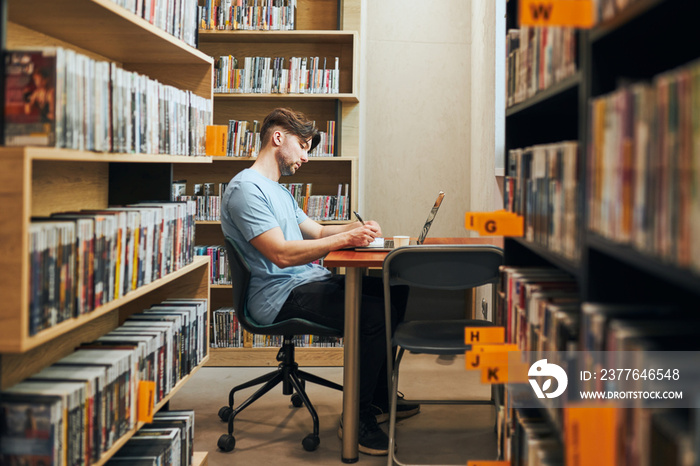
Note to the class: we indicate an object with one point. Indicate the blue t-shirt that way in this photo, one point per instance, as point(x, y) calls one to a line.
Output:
point(253, 204)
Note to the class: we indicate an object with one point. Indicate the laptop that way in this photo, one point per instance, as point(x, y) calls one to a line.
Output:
point(381, 244)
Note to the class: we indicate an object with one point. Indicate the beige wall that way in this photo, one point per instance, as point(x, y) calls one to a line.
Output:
point(416, 113)
point(427, 113)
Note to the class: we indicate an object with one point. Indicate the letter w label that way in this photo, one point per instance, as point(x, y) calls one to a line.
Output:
point(565, 13)
point(542, 10)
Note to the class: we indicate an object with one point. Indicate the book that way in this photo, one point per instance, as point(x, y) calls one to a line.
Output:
point(121, 377)
point(170, 355)
point(31, 96)
point(216, 140)
point(95, 379)
point(73, 399)
point(167, 439)
point(53, 257)
point(31, 430)
point(182, 420)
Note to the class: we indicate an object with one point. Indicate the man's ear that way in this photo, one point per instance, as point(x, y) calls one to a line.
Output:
point(277, 137)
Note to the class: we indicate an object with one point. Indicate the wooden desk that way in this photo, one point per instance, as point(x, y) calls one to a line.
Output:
point(356, 263)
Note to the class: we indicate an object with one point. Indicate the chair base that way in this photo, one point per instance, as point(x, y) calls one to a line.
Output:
point(293, 382)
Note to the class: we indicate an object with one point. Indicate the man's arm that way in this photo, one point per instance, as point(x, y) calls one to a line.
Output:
point(322, 240)
point(310, 229)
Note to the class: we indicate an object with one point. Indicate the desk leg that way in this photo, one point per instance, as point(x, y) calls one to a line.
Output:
point(351, 373)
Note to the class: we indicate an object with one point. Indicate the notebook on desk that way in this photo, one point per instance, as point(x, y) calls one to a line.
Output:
point(382, 244)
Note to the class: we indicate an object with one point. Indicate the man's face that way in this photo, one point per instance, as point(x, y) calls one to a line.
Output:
point(291, 154)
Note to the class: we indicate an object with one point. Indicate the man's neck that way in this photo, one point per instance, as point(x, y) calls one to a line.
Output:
point(266, 165)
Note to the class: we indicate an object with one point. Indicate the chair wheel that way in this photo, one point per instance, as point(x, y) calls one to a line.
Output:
point(311, 442)
point(297, 402)
point(226, 442)
point(225, 413)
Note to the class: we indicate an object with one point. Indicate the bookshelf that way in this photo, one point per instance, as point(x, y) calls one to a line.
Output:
point(39, 181)
point(612, 270)
point(324, 28)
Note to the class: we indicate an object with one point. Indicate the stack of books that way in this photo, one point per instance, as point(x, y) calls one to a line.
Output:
point(542, 185)
point(219, 273)
point(538, 58)
point(176, 17)
point(75, 410)
point(82, 260)
point(248, 15)
point(643, 182)
point(270, 75)
point(321, 207)
point(59, 98)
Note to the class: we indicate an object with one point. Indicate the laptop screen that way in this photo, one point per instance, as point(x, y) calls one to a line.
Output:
point(431, 217)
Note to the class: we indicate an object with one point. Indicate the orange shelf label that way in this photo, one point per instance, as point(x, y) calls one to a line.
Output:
point(480, 335)
point(565, 13)
point(484, 354)
point(504, 372)
point(498, 223)
point(146, 401)
point(591, 431)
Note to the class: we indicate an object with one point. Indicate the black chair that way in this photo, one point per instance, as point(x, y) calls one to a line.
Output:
point(288, 373)
point(438, 267)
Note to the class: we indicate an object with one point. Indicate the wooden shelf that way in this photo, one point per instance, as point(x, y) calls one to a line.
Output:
point(322, 222)
point(265, 357)
point(305, 97)
point(105, 28)
point(125, 438)
point(324, 29)
point(297, 36)
point(15, 339)
point(40, 181)
point(568, 265)
point(200, 458)
point(32, 153)
point(217, 159)
point(342, 44)
point(683, 277)
point(631, 12)
point(569, 84)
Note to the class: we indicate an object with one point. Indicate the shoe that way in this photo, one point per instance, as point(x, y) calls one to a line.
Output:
point(403, 410)
point(372, 440)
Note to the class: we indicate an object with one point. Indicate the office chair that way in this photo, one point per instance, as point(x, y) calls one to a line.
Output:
point(438, 267)
point(288, 372)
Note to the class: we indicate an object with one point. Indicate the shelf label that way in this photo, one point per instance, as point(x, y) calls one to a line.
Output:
point(481, 335)
point(498, 223)
point(565, 13)
point(504, 372)
point(146, 400)
point(590, 433)
point(486, 354)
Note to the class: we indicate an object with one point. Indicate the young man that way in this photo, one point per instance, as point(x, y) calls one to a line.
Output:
point(279, 241)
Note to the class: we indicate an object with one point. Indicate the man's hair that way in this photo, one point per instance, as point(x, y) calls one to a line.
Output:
point(291, 122)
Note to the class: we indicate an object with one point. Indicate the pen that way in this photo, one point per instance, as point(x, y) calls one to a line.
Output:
point(358, 217)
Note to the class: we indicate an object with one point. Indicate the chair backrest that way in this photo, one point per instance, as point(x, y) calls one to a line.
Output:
point(240, 277)
point(446, 267)
point(442, 267)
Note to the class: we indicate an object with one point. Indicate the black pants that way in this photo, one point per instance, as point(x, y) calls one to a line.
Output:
point(323, 302)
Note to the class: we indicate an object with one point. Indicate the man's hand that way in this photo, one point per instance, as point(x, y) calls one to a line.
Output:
point(364, 234)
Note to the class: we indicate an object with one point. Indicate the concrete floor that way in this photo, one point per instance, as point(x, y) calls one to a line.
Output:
point(270, 431)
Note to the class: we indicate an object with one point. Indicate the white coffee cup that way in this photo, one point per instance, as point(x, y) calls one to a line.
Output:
point(401, 241)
